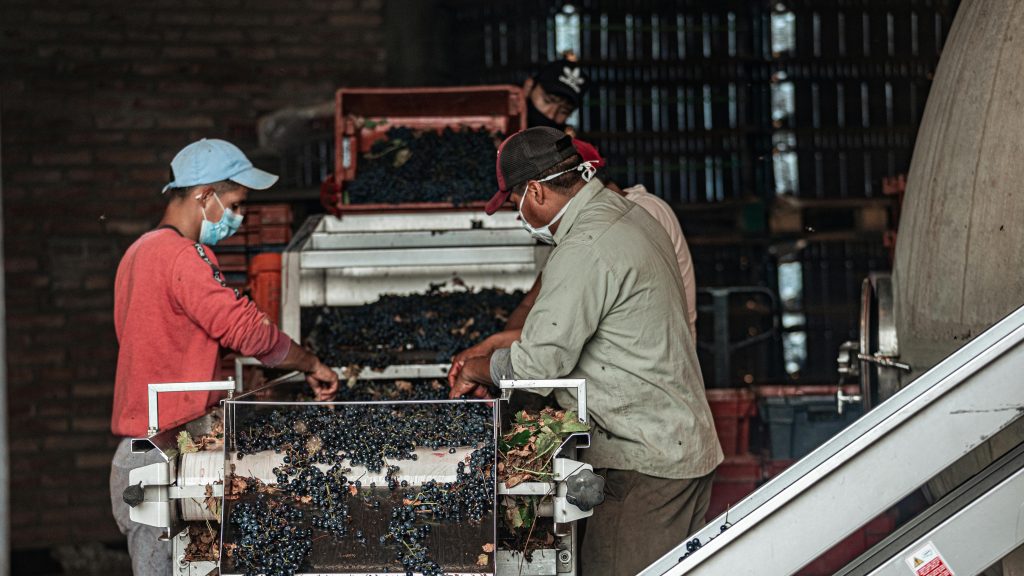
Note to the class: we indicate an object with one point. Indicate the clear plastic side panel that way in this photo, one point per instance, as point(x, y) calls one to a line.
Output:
point(394, 479)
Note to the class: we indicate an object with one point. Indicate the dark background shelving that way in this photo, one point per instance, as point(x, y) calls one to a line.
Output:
point(97, 99)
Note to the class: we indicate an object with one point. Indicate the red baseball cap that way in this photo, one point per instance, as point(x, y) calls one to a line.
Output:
point(588, 152)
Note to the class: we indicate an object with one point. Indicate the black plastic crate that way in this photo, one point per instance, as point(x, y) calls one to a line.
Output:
point(799, 424)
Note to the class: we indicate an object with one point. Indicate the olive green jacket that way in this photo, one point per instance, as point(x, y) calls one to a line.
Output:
point(612, 310)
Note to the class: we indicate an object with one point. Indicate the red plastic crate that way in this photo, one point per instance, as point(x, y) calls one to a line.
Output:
point(852, 546)
point(275, 214)
point(240, 238)
point(274, 234)
point(364, 115)
point(232, 261)
point(265, 284)
point(732, 410)
point(776, 391)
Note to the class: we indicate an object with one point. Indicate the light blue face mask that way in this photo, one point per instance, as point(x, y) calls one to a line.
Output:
point(212, 232)
point(544, 232)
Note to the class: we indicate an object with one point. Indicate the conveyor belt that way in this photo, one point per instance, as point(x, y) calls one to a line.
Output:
point(455, 546)
point(888, 453)
point(971, 528)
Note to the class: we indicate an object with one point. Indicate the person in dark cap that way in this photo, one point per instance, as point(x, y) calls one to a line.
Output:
point(639, 195)
point(554, 93)
point(173, 313)
point(611, 310)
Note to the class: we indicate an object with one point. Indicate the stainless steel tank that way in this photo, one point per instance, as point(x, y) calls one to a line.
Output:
point(961, 235)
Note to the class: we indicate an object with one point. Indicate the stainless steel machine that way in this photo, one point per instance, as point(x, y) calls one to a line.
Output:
point(355, 259)
point(188, 488)
point(352, 261)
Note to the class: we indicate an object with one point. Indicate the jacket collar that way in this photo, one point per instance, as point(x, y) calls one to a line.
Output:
point(579, 201)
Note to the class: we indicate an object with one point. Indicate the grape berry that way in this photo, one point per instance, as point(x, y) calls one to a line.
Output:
point(436, 325)
point(426, 166)
point(268, 538)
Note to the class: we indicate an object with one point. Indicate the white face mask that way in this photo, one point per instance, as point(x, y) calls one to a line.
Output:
point(544, 232)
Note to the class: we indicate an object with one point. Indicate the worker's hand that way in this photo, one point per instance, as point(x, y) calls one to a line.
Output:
point(459, 360)
point(323, 381)
point(472, 379)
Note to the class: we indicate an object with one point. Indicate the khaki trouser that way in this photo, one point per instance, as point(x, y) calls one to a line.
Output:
point(641, 519)
point(150, 557)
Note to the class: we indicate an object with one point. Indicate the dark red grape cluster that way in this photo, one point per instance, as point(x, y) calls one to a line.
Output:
point(320, 442)
point(431, 327)
point(426, 166)
point(270, 540)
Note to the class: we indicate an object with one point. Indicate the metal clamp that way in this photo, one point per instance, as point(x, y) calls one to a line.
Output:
point(846, 361)
point(884, 361)
point(155, 389)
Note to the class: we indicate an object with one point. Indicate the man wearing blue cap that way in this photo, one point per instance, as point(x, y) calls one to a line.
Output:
point(173, 312)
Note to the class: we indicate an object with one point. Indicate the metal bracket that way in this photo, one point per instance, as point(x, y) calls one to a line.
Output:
point(155, 389)
point(846, 361)
point(563, 468)
point(565, 511)
point(844, 399)
point(181, 492)
point(182, 567)
point(507, 386)
point(155, 508)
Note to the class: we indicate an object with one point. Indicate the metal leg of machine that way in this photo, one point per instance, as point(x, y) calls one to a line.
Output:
point(968, 530)
point(153, 490)
point(183, 567)
point(573, 491)
point(888, 453)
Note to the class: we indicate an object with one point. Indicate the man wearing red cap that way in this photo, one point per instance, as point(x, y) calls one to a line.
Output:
point(639, 195)
point(611, 310)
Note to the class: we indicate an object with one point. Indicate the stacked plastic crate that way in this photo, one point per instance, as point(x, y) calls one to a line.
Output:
point(251, 258)
point(652, 108)
point(849, 84)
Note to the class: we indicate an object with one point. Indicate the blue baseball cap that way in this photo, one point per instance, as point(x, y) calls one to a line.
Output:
point(210, 160)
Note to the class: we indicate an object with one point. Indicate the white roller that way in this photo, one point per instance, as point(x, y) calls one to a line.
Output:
point(438, 465)
point(197, 470)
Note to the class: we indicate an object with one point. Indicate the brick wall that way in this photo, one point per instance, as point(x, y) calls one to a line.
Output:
point(96, 98)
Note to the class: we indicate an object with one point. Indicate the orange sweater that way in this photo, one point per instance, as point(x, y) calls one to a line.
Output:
point(172, 314)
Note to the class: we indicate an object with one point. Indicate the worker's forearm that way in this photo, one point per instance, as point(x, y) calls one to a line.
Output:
point(504, 339)
point(298, 358)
